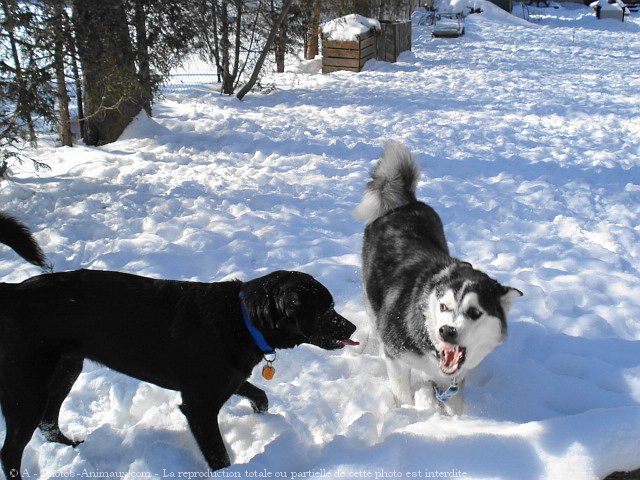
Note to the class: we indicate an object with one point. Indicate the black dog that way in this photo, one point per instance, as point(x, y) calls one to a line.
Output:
point(201, 339)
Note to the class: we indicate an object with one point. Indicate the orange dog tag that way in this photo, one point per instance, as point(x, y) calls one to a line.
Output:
point(268, 372)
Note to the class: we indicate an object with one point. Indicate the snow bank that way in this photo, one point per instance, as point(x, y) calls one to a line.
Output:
point(143, 126)
point(348, 28)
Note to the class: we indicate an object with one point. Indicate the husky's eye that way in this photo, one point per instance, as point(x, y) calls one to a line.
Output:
point(444, 308)
point(473, 313)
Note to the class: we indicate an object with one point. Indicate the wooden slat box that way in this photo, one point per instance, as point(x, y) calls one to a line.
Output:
point(393, 39)
point(352, 55)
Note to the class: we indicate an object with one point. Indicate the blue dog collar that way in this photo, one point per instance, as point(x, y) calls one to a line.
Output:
point(261, 342)
point(449, 393)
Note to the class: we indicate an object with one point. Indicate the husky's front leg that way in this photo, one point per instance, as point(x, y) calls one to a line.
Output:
point(454, 406)
point(400, 377)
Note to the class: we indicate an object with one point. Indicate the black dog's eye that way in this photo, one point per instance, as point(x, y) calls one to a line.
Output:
point(444, 308)
point(473, 313)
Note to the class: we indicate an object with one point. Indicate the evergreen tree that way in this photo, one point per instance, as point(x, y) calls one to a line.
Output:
point(26, 93)
point(113, 95)
point(25, 71)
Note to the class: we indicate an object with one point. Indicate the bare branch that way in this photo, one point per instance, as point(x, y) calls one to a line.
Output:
point(265, 51)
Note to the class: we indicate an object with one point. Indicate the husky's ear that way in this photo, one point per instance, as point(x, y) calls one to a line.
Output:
point(508, 294)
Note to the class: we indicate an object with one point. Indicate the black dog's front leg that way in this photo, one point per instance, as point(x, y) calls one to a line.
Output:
point(257, 397)
point(202, 417)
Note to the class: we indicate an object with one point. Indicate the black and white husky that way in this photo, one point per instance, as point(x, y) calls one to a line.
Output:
point(433, 312)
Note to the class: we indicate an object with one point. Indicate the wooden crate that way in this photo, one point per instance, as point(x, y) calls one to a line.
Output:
point(393, 39)
point(352, 56)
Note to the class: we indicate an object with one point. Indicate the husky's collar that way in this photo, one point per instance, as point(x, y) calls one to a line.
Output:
point(449, 393)
point(256, 334)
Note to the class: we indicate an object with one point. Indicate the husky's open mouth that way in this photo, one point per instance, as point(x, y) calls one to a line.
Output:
point(451, 358)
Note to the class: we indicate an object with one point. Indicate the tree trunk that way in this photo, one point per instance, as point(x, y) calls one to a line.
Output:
point(238, 48)
point(286, 5)
point(112, 93)
point(142, 50)
point(314, 31)
point(64, 119)
point(225, 46)
point(71, 44)
point(281, 46)
point(218, 29)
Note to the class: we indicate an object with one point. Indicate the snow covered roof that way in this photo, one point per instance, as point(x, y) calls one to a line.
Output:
point(348, 28)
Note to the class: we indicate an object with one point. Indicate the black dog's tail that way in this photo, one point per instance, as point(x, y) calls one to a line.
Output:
point(393, 183)
point(18, 237)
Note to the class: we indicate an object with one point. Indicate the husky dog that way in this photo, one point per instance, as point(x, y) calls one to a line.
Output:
point(433, 312)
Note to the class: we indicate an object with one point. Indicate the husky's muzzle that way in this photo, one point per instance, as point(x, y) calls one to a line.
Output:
point(451, 355)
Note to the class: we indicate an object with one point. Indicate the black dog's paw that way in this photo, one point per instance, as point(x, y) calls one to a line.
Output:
point(66, 441)
point(256, 396)
point(260, 405)
point(53, 434)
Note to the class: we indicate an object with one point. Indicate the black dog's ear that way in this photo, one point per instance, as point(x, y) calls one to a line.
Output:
point(275, 300)
point(261, 308)
point(269, 304)
point(288, 304)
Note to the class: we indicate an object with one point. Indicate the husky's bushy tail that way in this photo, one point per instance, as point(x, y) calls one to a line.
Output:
point(17, 236)
point(393, 183)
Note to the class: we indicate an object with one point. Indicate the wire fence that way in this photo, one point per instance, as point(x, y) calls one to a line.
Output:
point(192, 73)
point(180, 82)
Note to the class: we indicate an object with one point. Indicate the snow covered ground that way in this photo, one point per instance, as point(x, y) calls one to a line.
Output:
point(529, 140)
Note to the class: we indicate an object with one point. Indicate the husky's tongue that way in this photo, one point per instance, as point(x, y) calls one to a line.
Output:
point(348, 343)
point(451, 358)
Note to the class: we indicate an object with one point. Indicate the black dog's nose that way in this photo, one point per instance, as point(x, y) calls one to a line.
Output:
point(344, 325)
point(448, 333)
